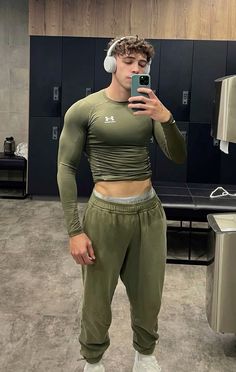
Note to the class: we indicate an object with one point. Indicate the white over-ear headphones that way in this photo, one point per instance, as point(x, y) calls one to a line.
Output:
point(110, 60)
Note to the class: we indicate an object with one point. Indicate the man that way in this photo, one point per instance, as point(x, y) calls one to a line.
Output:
point(124, 227)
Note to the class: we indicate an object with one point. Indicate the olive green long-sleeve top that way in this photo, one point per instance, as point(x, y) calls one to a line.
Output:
point(116, 143)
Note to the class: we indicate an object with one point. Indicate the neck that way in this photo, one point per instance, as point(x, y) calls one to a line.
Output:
point(116, 92)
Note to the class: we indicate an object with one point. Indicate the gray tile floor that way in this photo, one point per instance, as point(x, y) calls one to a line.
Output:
point(40, 301)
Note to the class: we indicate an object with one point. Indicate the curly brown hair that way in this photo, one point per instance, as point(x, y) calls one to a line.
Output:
point(130, 44)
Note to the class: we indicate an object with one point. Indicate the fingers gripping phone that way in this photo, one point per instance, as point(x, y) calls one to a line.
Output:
point(139, 81)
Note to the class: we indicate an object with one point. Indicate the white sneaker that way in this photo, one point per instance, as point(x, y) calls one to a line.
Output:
point(145, 363)
point(96, 367)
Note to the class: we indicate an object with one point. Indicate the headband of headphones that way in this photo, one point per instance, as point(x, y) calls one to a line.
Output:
point(110, 60)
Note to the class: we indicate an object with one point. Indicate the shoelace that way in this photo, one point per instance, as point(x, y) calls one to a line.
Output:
point(223, 193)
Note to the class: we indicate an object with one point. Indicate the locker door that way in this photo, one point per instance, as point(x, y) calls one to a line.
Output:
point(45, 75)
point(78, 69)
point(167, 170)
point(155, 66)
point(43, 146)
point(209, 63)
point(231, 58)
point(101, 78)
point(203, 164)
point(77, 82)
point(228, 161)
point(227, 166)
point(175, 76)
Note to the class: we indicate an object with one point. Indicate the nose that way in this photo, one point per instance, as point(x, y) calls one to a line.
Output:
point(135, 67)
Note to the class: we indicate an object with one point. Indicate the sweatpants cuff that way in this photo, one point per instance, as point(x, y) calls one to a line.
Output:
point(93, 360)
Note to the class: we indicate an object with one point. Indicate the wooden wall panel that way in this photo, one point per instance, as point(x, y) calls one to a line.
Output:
point(79, 18)
point(219, 19)
point(122, 11)
point(141, 18)
point(105, 18)
point(53, 17)
point(36, 17)
point(166, 19)
point(232, 20)
point(198, 20)
point(157, 19)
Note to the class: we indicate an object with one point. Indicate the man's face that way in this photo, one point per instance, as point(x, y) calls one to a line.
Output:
point(127, 65)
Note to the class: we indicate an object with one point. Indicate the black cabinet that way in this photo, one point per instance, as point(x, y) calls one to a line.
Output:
point(78, 75)
point(227, 166)
point(166, 169)
point(155, 65)
point(175, 76)
point(45, 76)
point(101, 78)
point(231, 58)
point(209, 63)
point(78, 69)
point(43, 147)
point(203, 163)
point(45, 113)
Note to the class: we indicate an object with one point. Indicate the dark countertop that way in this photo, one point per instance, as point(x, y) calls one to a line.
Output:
point(190, 198)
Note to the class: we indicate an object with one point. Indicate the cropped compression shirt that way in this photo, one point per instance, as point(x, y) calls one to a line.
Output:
point(116, 143)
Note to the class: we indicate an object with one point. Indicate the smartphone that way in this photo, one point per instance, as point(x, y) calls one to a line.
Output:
point(139, 81)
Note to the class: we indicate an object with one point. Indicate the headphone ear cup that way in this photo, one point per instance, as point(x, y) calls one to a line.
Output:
point(110, 64)
point(147, 68)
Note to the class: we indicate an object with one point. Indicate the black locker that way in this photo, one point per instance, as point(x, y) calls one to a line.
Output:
point(228, 161)
point(78, 82)
point(43, 147)
point(166, 169)
point(45, 75)
point(78, 69)
point(203, 165)
point(175, 76)
point(227, 166)
point(209, 63)
point(155, 65)
point(231, 58)
point(102, 78)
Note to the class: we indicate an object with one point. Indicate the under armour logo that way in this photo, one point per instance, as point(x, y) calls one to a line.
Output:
point(109, 119)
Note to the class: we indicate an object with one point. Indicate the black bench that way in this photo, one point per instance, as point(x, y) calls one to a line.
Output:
point(13, 163)
point(191, 202)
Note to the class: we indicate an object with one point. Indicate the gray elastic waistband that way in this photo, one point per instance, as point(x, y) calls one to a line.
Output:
point(127, 200)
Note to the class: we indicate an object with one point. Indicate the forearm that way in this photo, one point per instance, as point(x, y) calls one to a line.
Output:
point(66, 178)
point(175, 143)
point(170, 140)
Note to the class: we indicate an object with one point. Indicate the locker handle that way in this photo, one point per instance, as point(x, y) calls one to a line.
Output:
point(88, 91)
point(184, 134)
point(56, 95)
point(185, 97)
point(55, 133)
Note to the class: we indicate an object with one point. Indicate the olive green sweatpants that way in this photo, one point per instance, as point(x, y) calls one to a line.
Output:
point(129, 241)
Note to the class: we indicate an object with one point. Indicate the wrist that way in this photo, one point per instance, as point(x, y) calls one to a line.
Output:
point(75, 233)
point(169, 121)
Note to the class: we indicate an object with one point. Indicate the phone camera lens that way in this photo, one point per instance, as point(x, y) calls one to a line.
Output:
point(144, 80)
